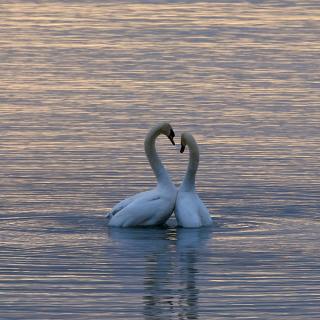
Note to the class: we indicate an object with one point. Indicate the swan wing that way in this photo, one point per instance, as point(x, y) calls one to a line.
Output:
point(149, 208)
point(122, 204)
point(190, 211)
point(204, 213)
point(186, 210)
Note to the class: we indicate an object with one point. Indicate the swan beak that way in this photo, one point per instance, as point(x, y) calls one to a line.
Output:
point(182, 148)
point(171, 136)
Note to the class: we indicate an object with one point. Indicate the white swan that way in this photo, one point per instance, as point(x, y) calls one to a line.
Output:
point(152, 207)
point(190, 211)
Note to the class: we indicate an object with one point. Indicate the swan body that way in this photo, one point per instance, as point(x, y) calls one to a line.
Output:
point(151, 207)
point(189, 210)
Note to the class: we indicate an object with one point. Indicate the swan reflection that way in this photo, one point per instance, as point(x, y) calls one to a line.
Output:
point(169, 259)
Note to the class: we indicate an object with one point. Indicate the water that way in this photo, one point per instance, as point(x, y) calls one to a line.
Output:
point(80, 84)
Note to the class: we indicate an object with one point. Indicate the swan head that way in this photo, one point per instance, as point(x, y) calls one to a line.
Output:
point(167, 130)
point(185, 139)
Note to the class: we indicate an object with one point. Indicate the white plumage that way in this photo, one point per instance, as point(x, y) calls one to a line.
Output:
point(189, 210)
point(152, 207)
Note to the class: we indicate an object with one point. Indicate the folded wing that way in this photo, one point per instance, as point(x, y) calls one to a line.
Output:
point(147, 208)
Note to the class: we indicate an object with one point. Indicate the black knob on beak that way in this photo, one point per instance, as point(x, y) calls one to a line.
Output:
point(171, 136)
point(182, 148)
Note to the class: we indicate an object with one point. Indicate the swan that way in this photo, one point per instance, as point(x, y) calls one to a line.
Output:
point(152, 207)
point(189, 210)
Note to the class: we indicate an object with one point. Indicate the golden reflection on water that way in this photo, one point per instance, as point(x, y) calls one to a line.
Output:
point(80, 84)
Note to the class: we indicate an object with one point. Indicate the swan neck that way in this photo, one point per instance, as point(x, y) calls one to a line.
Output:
point(154, 160)
point(188, 183)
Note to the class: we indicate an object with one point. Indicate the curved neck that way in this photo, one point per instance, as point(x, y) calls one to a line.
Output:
point(154, 160)
point(188, 183)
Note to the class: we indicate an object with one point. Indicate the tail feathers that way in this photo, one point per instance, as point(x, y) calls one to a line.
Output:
point(110, 214)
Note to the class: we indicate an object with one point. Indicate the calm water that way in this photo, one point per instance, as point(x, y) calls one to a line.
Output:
point(80, 84)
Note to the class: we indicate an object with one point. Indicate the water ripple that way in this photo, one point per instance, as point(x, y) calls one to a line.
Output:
point(80, 84)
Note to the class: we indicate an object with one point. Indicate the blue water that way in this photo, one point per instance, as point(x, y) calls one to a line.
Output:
point(81, 83)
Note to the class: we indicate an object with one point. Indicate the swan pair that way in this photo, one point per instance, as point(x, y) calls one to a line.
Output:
point(154, 207)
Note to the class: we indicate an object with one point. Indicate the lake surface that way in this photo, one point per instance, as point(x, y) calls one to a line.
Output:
point(81, 83)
